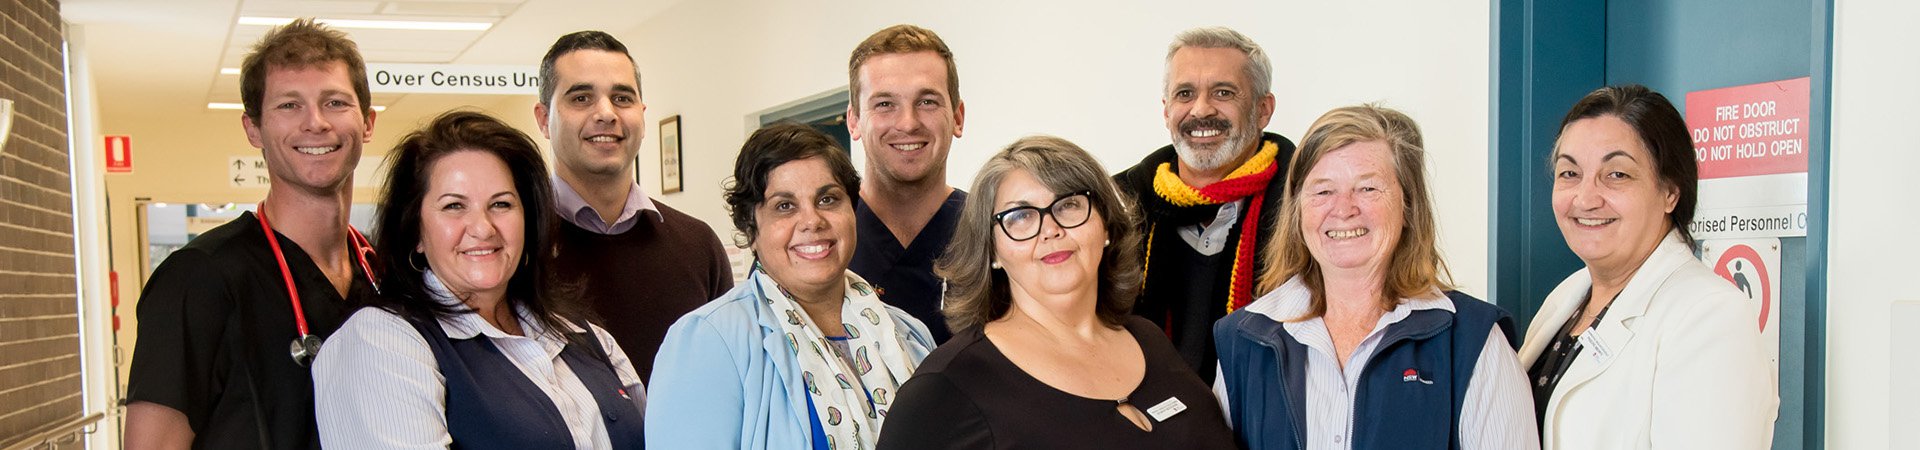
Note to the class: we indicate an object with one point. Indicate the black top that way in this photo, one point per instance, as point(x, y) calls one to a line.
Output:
point(903, 274)
point(968, 395)
point(639, 282)
point(1545, 374)
point(215, 325)
point(1186, 293)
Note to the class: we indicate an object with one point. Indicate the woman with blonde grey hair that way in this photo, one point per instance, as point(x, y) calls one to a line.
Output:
point(1042, 272)
point(1358, 342)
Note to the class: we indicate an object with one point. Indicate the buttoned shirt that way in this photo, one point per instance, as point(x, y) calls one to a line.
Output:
point(1210, 238)
point(1497, 412)
point(574, 209)
point(377, 384)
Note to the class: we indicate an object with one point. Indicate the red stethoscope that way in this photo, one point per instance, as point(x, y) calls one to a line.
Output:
point(307, 346)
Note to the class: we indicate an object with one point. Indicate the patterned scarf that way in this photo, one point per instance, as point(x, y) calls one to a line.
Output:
point(850, 402)
point(1248, 181)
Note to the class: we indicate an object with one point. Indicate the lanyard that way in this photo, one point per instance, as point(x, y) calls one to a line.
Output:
point(305, 347)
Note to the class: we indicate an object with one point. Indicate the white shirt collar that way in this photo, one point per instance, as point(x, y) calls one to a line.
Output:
point(467, 324)
point(1291, 300)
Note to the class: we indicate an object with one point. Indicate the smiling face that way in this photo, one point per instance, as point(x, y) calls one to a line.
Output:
point(594, 116)
point(1212, 110)
point(1607, 197)
point(1059, 261)
point(472, 223)
point(311, 129)
point(905, 118)
point(805, 234)
point(1352, 209)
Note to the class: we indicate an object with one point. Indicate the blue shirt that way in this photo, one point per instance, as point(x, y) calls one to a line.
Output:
point(725, 379)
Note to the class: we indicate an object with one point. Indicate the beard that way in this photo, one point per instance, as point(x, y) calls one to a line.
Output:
point(1214, 158)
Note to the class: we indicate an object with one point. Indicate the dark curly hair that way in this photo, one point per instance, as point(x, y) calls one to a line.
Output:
point(770, 147)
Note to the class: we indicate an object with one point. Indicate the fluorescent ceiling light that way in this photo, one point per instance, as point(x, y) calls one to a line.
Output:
point(375, 24)
point(229, 70)
point(238, 107)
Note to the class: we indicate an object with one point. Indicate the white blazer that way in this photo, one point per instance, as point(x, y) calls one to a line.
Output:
point(1678, 363)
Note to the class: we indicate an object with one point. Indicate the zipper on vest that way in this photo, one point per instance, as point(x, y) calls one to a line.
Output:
point(1280, 373)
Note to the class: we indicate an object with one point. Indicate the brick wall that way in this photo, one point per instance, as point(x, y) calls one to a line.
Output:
point(40, 379)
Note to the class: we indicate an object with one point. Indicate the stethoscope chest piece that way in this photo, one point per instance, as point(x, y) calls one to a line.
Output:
point(304, 348)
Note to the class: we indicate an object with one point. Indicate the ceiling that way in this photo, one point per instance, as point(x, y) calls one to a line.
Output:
point(155, 59)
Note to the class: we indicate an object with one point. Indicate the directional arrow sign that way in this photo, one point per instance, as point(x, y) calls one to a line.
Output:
point(248, 171)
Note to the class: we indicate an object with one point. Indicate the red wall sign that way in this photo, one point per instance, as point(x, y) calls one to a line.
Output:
point(1757, 129)
point(119, 154)
point(1759, 286)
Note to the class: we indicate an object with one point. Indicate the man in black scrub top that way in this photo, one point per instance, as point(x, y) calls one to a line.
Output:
point(905, 110)
point(218, 362)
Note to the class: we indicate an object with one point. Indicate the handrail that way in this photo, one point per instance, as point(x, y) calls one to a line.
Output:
point(64, 433)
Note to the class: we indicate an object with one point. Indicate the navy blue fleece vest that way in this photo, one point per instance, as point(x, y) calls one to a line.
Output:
point(491, 405)
point(1264, 369)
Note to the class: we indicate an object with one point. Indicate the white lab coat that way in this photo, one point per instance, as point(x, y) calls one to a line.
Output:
point(1684, 365)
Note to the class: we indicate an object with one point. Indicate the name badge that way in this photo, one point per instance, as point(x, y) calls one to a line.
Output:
point(1166, 409)
point(1591, 341)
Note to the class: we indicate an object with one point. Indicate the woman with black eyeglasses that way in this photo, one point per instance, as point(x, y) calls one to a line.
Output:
point(1041, 273)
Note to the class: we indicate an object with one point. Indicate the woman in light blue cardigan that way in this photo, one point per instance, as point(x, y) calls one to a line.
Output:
point(802, 355)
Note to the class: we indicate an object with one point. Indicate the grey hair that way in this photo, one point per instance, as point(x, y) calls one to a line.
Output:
point(1258, 69)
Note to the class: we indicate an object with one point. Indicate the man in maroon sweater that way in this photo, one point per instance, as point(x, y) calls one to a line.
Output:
point(639, 264)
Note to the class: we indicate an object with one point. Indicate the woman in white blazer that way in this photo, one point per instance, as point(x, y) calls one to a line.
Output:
point(1645, 348)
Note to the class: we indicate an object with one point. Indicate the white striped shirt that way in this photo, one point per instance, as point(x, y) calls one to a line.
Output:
point(1497, 412)
point(377, 384)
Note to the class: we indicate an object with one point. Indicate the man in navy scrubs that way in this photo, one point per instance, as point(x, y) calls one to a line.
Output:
point(216, 364)
point(905, 110)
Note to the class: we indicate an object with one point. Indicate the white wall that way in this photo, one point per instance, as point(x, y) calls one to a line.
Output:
point(1870, 263)
point(1088, 71)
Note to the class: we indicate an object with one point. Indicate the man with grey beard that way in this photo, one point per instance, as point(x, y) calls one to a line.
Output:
point(1209, 201)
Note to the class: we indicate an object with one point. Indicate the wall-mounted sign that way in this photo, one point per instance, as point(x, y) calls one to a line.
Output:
point(247, 172)
point(1751, 144)
point(119, 154)
point(1753, 266)
point(453, 79)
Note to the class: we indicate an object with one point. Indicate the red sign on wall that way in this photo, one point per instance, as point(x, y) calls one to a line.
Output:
point(1757, 129)
point(119, 154)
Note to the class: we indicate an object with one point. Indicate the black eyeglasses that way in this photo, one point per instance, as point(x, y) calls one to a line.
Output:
point(1023, 222)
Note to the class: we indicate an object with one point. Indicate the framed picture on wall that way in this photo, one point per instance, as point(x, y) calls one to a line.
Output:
point(670, 181)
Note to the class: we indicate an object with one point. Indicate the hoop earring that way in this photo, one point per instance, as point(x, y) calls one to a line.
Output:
point(414, 265)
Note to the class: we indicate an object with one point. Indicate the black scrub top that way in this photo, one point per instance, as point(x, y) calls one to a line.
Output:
point(904, 273)
point(214, 331)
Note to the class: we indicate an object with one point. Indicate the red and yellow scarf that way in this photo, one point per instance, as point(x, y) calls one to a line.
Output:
point(1248, 181)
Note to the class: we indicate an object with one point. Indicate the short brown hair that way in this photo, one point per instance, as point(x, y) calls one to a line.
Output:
point(901, 38)
point(1416, 267)
point(977, 294)
point(299, 45)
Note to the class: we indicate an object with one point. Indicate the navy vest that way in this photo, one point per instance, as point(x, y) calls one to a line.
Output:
point(492, 405)
point(1396, 407)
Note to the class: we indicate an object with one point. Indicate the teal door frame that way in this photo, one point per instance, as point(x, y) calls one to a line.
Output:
point(1546, 55)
